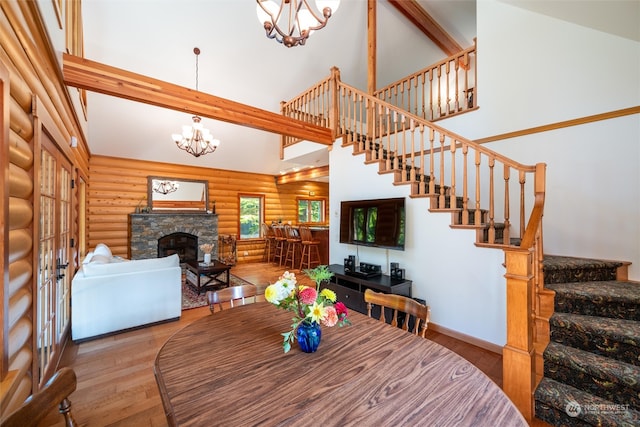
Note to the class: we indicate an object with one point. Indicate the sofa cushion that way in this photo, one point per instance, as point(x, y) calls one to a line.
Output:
point(102, 249)
point(97, 269)
point(87, 258)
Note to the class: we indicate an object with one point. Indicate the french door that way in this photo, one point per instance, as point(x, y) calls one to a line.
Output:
point(53, 282)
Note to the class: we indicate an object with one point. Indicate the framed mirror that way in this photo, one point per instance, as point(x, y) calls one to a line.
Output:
point(177, 194)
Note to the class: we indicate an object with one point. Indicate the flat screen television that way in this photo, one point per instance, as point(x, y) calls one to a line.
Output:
point(378, 223)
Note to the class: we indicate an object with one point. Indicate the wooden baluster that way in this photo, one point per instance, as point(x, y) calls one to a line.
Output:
point(447, 76)
point(492, 226)
point(424, 111)
point(441, 199)
point(403, 161)
point(393, 150)
point(421, 189)
point(507, 225)
point(432, 180)
point(522, 180)
point(412, 129)
point(453, 201)
point(431, 95)
point(440, 91)
point(465, 185)
point(457, 92)
point(477, 219)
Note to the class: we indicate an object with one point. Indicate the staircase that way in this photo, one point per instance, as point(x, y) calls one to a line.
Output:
point(592, 364)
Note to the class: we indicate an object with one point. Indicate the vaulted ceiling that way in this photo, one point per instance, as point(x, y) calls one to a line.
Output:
point(156, 38)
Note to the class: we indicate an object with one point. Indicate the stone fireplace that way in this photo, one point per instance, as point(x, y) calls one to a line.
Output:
point(146, 230)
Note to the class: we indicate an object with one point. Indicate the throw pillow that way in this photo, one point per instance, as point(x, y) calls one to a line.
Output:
point(102, 249)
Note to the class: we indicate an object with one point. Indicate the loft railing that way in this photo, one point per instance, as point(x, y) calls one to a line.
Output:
point(501, 199)
point(441, 90)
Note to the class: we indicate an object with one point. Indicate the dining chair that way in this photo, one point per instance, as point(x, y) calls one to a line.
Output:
point(239, 294)
point(40, 404)
point(399, 304)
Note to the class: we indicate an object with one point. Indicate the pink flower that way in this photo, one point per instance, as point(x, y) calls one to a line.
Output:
point(341, 310)
point(308, 295)
point(330, 316)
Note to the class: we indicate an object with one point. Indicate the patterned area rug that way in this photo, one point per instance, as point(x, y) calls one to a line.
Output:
point(190, 299)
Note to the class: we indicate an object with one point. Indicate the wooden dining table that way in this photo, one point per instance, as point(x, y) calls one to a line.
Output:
point(229, 369)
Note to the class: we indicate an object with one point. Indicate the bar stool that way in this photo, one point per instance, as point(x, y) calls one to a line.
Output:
point(293, 247)
point(310, 248)
point(280, 245)
point(269, 242)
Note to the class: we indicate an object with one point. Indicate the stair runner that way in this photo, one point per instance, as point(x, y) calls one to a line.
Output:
point(592, 364)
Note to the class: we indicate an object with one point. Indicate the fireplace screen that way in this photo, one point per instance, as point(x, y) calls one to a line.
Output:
point(183, 244)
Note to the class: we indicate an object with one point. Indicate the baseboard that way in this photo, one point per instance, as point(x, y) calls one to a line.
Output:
point(494, 348)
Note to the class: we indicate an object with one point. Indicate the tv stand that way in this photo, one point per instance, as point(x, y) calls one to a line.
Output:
point(350, 289)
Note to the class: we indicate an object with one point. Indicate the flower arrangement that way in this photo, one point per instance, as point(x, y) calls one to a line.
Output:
point(206, 247)
point(307, 303)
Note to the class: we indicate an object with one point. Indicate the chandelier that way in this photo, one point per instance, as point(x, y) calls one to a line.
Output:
point(292, 21)
point(165, 187)
point(195, 139)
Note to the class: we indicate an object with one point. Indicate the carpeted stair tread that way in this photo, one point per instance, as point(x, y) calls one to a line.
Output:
point(609, 298)
point(602, 376)
point(562, 405)
point(563, 269)
point(615, 338)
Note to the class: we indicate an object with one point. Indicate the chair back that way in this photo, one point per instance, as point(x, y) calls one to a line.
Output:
point(278, 232)
point(237, 294)
point(54, 393)
point(400, 303)
point(305, 233)
point(267, 231)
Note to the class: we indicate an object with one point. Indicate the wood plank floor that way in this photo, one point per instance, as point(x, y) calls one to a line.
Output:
point(116, 385)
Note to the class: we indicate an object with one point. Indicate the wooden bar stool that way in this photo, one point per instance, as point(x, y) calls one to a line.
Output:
point(293, 247)
point(269, 242)
point(280, 244)
point(310, 248)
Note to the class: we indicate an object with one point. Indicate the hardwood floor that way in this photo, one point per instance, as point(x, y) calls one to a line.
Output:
point(116, 385)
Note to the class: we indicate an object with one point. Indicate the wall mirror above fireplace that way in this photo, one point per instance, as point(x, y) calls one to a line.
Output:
point(177, 194)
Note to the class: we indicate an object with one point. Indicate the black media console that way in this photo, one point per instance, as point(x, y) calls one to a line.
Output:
point(350, 289)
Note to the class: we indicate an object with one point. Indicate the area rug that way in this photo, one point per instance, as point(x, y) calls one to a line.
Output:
point(190, 298)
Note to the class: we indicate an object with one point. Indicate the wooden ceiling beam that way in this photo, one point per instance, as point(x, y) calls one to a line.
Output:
point(96, 77)
point(304, 175)
point(421, 19)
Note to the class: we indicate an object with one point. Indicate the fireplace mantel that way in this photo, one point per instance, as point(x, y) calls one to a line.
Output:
point(146, 228)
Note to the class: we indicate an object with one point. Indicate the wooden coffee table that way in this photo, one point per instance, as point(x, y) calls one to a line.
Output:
point(202, 278)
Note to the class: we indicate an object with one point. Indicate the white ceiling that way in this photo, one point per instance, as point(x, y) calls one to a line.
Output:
point(237, 62)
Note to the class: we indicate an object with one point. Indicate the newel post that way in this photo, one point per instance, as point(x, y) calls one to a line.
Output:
point(518, 368)
point(335, 102)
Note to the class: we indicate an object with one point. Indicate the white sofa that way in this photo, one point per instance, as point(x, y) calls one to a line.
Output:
point(109, 294)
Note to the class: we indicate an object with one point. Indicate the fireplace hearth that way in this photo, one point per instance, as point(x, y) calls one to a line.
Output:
point(146, 230)
point(183, 244)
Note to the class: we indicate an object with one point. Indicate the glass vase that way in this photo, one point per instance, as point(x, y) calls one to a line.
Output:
point(207, 258)
point(309, 334)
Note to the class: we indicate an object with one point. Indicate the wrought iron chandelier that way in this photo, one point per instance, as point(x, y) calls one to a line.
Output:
point(165, 187)
point(195, 139)
point(292, 21)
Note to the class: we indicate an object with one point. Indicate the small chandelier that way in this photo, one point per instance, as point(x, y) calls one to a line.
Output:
point(195, 139)
point(292, 21)
point(165, 187)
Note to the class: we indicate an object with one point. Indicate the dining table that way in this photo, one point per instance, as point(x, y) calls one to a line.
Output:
point(229, 368)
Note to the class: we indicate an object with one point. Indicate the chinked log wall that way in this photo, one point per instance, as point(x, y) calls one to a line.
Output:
point(117, 186)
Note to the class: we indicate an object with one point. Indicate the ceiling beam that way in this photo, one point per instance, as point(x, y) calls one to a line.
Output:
point(425, 23)
point(304, 175)
point(96, 77)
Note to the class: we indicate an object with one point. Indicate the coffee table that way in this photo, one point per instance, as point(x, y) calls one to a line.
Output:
point(204, 277)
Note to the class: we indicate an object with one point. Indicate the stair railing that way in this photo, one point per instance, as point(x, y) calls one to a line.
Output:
point(473, 183)
point(441, 90)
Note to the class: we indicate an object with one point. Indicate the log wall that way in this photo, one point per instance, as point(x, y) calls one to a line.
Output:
point(118, 185)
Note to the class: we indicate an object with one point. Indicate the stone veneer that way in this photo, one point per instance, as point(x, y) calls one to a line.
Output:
point(146, 228)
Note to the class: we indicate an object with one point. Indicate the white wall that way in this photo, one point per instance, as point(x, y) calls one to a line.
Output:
point(593, 171)
point(533, 70)
point(468, 296)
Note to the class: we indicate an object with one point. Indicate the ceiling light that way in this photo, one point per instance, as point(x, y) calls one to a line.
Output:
point(195, 139)
point(291, 22)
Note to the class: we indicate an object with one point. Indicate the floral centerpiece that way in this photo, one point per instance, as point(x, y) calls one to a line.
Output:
point(310, 306)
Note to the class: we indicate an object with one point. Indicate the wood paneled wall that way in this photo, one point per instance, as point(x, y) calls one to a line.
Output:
point(118, 185)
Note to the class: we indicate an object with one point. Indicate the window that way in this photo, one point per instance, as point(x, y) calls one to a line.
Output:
point(251, 215)
point(311, 211)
